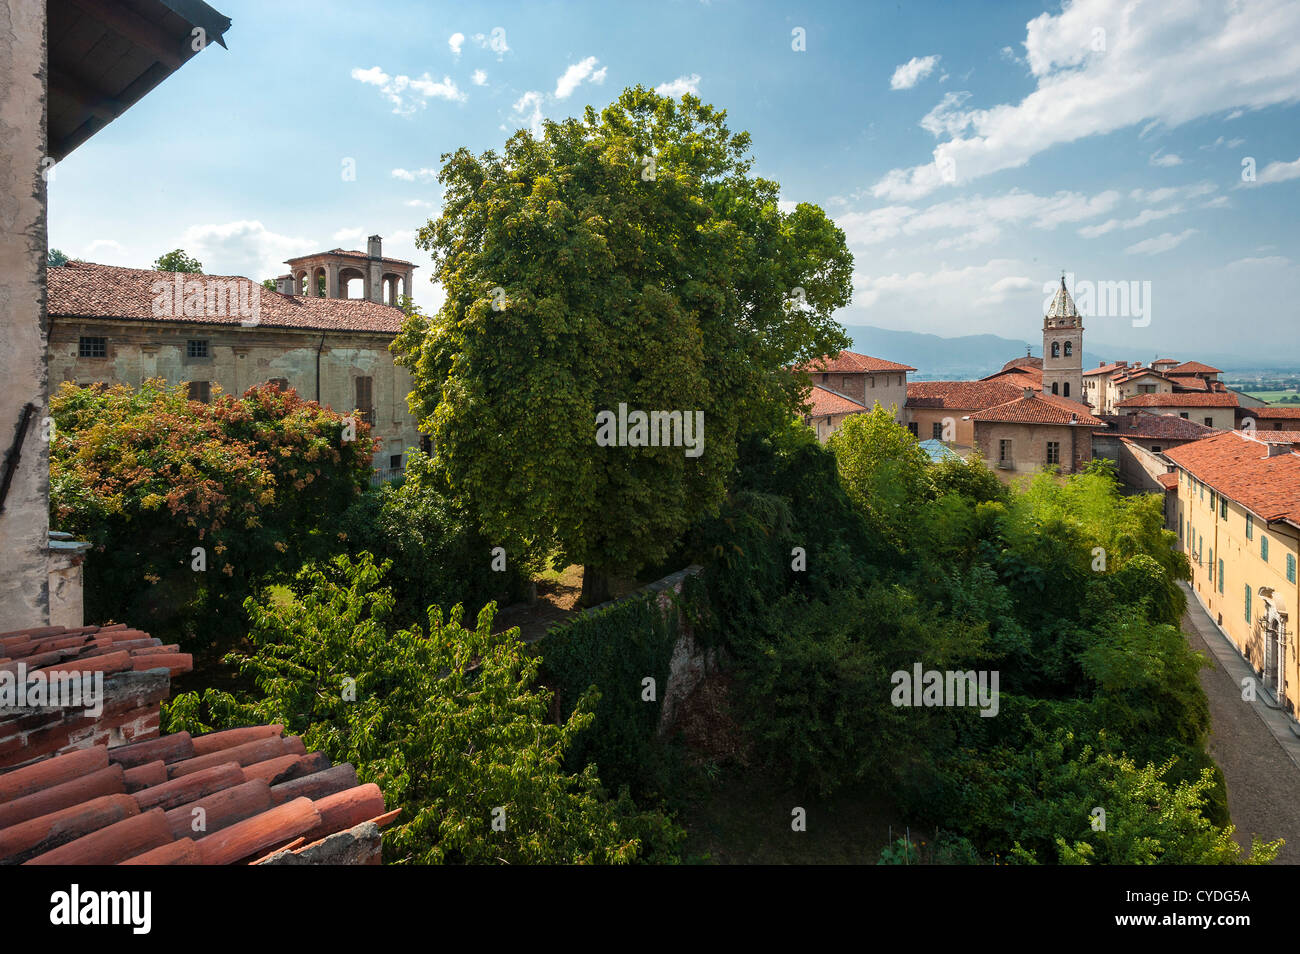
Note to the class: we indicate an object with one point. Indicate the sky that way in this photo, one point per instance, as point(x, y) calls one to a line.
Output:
point(971, 152)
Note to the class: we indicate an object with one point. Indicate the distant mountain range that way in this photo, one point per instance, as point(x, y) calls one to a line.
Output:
point(973, 356)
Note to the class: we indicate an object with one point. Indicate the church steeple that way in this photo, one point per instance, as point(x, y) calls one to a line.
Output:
point(1063, 347)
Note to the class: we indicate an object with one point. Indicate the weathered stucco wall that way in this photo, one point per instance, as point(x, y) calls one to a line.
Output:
point(242, 357)
point(24, 522)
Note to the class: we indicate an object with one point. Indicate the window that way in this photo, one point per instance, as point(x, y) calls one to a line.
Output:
point(92, 348)
point(1247, 602)
point(201, 391)
point(365, 399)
point(1223, 507)
point(1155, 448)
point(825, 378)
point(872, 381)
point(936, 430)
point(1069, 348)
point(1209, 422)
point(1180, 528)
point(1066, 389)
point(1056, 349)
point(1053, 452)
point(1290, 567)
point(1263, 548)
point(1250, 527)
point(1004, 450)
point(395, 462)
point(279, 383)
point(1220, 576)
point(1183, 415)
point(1213, 499)
point(913, 428)
point(197, 348)
point(1054, 386)
point(1211, 567)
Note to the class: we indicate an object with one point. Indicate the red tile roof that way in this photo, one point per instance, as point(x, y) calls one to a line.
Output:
point(1180, 400)
point(1040, 409)
point(825, 401)
point(88, 290)
point(1194, 367)
point(1164, 361)
point(1105, 369)
point(1132, 373)
point(1161, 427)
point(1272, 412)
point(1025, 363)
point(1238, 466)
point(351, 253)
point(136, 670)
point(961, 395)
point(1168, 481)
point(849, 362)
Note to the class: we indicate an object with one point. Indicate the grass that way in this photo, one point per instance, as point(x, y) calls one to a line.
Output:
point(1276, 397)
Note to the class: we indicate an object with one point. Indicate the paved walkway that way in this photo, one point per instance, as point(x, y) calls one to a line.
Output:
point(1251, 741)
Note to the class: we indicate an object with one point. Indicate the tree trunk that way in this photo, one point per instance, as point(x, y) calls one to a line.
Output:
point(595, 587)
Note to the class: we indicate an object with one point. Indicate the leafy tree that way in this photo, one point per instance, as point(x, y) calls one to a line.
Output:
point(269, 284)
point(257, 483)
point(447, 721)
point(178, 261)
point(883, 470)
point(626, 258)
point(55, 259)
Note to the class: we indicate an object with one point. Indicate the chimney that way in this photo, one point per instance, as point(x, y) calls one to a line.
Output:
point(1275, 450)
point(1029, 392)
point(374, 270)
point(284, 284)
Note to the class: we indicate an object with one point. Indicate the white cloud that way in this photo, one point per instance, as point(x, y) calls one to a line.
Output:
point(245, 248)
point(680, 86)
point(421, 204)
point(402, 91)
point(1159, 65)
point(479, 78)
point(496, 41)
point(455, 41)
point(1270, 261)
point(528, 108)
point(1004, 288)
point(575, 74)
point(947, 117)
point(939, 289)
point(1229, 143)
point(913, 71)
point(1278, 172)
point(1161, 243)
point(411, 175)
point(104, 251)
point(1166, 160)
point(349, 235)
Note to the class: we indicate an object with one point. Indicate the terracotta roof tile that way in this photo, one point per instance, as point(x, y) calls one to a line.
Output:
point(849, 362)
point(1105, 369)
point(961, 395)
point(1194, 367)
point(89, 290)
point(1040, 409)
point(1239, 467)
point(825, 401)
point(1147, 426)
point(1179, 400)
point(1273, 413)
point(1168, 481)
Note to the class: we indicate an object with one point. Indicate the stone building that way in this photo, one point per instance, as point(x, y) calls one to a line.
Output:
point(226, 334)
point(329, 274)
point(1063, 347)
point(1036, 431)
point(851, 383)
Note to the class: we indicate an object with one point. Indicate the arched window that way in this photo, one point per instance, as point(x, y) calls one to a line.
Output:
point(1056, 349)
point(1066, 391)
point(1069, 348)
point(1054, 386)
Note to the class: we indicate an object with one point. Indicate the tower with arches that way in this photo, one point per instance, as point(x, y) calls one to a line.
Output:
point(339, 273)
point(1063, 347)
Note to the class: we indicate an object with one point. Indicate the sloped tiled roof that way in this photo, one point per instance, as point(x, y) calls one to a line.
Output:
point(1040, 409)
point(1025, 363)
point(249, 792)
point(1104, 369)
point(1179, 399)
point(1062, 305)
point(1238, 466)
point(1271, 412)
point(1167, 427)
point(1164, 362)
point(350, 253)
point(849, 362)
point(960, 395)
point(826, 401)
point(1139, 372)
point(1194, 367)
point(88, 290)
point(1168, 481)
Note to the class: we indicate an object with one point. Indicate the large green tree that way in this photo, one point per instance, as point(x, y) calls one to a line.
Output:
point(625, 258)
point(178, 261)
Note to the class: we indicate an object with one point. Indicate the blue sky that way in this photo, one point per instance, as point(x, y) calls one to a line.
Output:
point(969, 151)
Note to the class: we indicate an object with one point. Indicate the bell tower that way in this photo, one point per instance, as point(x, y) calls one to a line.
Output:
point(1063, 347)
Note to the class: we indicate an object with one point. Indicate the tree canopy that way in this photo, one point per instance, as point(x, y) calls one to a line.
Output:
point(177, 261)
point(625, 258)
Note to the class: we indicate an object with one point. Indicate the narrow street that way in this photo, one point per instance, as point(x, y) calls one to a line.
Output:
point(1252, 744)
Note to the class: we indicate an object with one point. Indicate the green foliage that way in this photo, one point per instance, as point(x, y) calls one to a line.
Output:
point(55, 259)
point(609, 653)
point(439, 558)
point(578, 277)
point(178, 261)
point(148, 475)
point(446, 720)
point(884, 471)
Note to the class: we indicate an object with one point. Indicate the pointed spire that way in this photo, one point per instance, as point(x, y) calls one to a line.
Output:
point(1062, 305)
